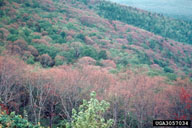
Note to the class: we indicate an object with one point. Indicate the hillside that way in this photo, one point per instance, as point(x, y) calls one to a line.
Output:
point(178, 30)
point(173, 8)
point(70, 31)
point(55, 52)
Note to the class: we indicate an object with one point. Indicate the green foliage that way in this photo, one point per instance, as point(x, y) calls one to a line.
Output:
point(69, 55)
point(129, 38)
point(44, 49)
point(12, 37)
point(35, 4)
point(2, 3)
point(2, 13)
point(58, 61)
point(168, 69)
point(44, 25)
point(63, 34)
point(84, 1)
point(160, 62)
point(14, 121)
point(25, 33)
point(102, 54)
point(145, 46)
point(89, 51)
point(30, 60)
point(123, 61)
point(13, 31)
point(58, 38)
point(152, 44)
point(90, 114)
point(124, 47)
point(171, 76)
point(71, 26)
point(1, 49)
point(143, 58)
point(171, 28)
point(81, 36)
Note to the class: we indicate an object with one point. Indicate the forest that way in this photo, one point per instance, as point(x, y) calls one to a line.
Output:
point(91, 63)
point(176, 29)
point(173, 8)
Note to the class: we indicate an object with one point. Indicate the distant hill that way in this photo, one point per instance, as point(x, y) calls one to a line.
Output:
point(173, 8)
point(178, 30)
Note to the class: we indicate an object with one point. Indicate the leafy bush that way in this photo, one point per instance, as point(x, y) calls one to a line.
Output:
point(14, 121)
point(13, 31)
point(90, 114)
point(58, 38)
point(44, 49)
point(30, 60)
point(102, 54)
point(12, 37)
point(81, 36)
point(171, 76)
point(89, 51)
point(152, 44)
point(168, 69)
point(160, 62)
point(69, 55)
point(2, 3)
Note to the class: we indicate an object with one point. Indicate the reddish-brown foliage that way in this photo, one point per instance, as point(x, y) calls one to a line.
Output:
point(88, 40)
point(14, 49)
point(43, 41)
point(108, 63)
point(33, 50)
point(11, 81)
point(46, 60)
point(3, 33)
point(21, 43)
point(4, 108)
point(87, 61)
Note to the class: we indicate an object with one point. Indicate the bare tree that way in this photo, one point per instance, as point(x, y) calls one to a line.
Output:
point(10, 81)
point(39, 89)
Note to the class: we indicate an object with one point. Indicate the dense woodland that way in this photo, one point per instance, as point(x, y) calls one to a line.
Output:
point(66, 63)
point(179, 30)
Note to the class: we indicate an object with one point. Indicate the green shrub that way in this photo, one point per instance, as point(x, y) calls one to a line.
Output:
point(13, 31)
point(14, 121)
point(89, 51)
point(30, 60)
point(168, 69)
point(171, 76)
point(102, 54)
point(58, 38)
point(81, 36)
point(69, 55)
point(152, 44)
point(2, 3)
point(160, 62)
point(90, 114)
point(44, 49)
point(12, 37)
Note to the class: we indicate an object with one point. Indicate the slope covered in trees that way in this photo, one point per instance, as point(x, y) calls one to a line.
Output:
point(59, 32)
point(179, 30)
point(54, 53)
